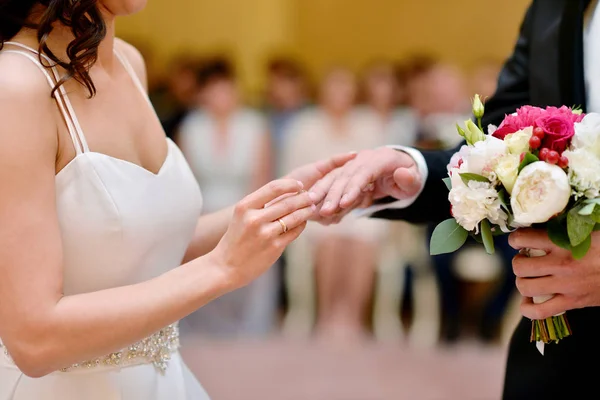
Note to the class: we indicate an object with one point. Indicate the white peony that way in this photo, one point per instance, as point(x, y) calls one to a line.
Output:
point(541, 191)
point(475, 202)
point(584, 167)
point(587, 134)
point(507, 169)
point(518, 142)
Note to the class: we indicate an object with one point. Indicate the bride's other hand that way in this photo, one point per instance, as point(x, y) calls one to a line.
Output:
point(261, 229)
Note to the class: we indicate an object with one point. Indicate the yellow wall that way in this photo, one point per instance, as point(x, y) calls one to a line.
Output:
point(323, 32)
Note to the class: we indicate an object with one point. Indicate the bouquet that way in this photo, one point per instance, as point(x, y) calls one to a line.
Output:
point(539, 169)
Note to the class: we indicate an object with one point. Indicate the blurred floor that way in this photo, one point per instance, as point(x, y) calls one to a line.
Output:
point(283, 370)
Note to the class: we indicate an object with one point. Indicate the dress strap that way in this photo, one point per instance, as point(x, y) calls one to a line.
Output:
point(134, 76)
point(64, 104)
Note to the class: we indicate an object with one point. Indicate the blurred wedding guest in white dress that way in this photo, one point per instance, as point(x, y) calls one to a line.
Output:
point(287, 93)
point(102, 246)
point(228, 148)
point(382, 93)
point(345, 254)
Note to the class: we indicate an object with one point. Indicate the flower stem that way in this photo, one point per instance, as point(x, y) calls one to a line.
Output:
point(550, 330)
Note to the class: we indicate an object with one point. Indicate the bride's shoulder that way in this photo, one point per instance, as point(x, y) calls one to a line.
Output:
point(27, 113)
point(135, 58)
point(22, 79)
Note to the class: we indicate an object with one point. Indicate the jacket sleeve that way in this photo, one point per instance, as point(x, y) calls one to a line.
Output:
point(512, 92)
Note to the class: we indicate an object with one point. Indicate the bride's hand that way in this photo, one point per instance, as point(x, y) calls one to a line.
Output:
point(260, 230)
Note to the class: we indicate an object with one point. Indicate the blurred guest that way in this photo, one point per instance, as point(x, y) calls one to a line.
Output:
point(382, 92)
point(178, 96)
point(287, 93)
point(346, 254)
point(484, 78)
point(440, 97)
point(228, 149)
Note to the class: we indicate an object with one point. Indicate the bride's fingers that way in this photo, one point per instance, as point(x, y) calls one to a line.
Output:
point(269, 192)
point(286, 206)
point(285, 224)
point(291, 235)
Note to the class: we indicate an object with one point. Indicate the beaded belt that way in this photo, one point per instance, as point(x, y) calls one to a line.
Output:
point(156, 349)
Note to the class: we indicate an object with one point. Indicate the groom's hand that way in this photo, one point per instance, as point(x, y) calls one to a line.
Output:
point(574, 283)
point(373, 174)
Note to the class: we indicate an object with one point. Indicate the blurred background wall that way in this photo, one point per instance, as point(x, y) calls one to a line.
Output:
point(323, 32)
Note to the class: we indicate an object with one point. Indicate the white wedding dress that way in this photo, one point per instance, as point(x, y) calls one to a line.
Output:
point(120, 224)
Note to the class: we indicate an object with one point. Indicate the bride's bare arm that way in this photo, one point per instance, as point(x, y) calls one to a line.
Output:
point(44, 329)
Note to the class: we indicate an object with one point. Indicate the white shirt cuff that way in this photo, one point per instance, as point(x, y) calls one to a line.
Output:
point(423, 171)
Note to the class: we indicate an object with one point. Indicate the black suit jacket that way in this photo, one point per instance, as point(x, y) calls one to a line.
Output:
point(545, 69)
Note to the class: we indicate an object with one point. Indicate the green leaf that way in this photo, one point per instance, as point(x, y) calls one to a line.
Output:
point(503, 197)
point(595, 215)
point(486, 235)
point(579, 226)
point(557, 233)
point(448, 183)
point(578, 252)
point(528, 159)
point(447, 237)
point(596, 227)
point(467, 177)
point(587, 209)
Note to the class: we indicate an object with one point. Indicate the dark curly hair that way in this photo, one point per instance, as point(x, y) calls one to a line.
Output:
point(82, 17)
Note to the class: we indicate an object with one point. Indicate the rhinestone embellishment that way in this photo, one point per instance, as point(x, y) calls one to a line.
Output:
point(155, 349)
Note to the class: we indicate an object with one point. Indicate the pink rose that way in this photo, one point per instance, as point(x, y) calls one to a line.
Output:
point(528, 115)
point(558, 128)
point(524, 117)
point(565, 111)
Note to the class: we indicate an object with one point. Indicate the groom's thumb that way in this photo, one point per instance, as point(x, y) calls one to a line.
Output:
point(408, 180)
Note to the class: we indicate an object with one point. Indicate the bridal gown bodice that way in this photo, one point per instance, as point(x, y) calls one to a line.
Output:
point(120, 224)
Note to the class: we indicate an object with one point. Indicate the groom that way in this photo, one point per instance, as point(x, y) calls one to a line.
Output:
point(556, 55)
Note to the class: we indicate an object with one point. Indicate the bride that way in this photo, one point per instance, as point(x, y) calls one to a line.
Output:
point(102, 247)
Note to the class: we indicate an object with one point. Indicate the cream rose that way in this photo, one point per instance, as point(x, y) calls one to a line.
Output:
point(507, 169)
point(518, 142)
point(540, 192)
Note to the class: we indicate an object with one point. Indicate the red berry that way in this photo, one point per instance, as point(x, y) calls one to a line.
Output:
point(535, 142)
point(521, 157)
point(563, 162)
point(544, 153)
point(553, 157)
point(539, 132)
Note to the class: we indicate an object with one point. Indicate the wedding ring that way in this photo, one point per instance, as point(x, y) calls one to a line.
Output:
point(283, 226)
point(369, 188)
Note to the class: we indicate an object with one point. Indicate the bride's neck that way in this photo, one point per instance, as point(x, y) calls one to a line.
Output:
point(61, 36)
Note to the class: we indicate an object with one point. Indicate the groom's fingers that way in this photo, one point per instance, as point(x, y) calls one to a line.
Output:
point(408, 181)
point(556, 305)
point(338, 189)
point(320, 189)
point(326, 166)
